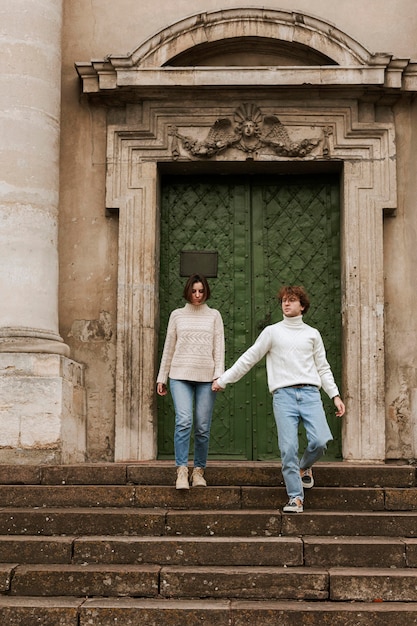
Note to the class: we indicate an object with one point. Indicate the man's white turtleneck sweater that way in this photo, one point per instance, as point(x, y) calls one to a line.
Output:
point(295, 355)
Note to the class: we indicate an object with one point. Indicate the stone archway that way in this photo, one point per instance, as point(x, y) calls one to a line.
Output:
point(167, 111)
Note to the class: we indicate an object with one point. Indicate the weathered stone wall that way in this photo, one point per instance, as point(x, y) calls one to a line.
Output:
point(88, 241)
point(401, 295)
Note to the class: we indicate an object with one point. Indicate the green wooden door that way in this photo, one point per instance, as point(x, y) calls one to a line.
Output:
point(267, 232)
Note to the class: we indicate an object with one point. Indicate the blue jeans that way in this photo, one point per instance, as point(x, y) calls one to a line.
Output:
point(292, 405)
point(185, 394)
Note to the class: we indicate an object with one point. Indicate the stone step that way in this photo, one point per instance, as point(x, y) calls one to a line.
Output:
point(290, 583)
point(365, 524)
point(281, 551)
point(155, 550)
point(69, 611)
point(359, 552)
point(205, 551)
point(129, 612)
point(211, 582)
point(131, 521)
point(220, 473)
point(204, 523)
point(329, 498)
point(320, 614)
point(373, 585)
point(268, 474)
point(273, 523)
point(49, 522)
point(296, 583)
point(84, 580)
point(30, 549)
point(28, 611)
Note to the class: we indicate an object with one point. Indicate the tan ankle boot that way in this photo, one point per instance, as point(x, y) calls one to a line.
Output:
point(182, 478)
point(197, 477)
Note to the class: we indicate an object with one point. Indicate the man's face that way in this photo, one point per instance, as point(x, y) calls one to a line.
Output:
point(291, 306)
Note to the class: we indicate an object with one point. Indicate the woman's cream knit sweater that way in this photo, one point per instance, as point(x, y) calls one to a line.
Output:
point(194, 345)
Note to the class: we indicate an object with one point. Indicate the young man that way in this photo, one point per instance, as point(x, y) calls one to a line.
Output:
point(296, 368)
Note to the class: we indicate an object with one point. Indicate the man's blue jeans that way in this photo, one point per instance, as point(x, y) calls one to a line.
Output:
point(185, 395)
point(292, 405)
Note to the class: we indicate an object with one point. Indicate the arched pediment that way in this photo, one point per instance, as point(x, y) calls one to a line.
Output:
point(234, 47)
point(249, 52)
point(288, 29)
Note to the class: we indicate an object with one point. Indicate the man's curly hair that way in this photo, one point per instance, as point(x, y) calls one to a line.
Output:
point(296, 291)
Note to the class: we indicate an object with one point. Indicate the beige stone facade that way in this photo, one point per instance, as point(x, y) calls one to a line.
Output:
point(131, 89)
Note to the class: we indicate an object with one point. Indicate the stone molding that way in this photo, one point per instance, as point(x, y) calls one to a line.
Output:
point(147, 66)
point(24, 339)
point(368, 188)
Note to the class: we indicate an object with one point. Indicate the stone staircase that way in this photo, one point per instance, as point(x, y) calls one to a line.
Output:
point(117, 545)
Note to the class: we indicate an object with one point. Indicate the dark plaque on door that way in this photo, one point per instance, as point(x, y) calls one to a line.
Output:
point(198, 262)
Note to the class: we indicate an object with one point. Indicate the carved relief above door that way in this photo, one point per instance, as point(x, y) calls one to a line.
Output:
point(249, 131)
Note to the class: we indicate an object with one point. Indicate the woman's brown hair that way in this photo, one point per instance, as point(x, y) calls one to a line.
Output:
point(188, 289)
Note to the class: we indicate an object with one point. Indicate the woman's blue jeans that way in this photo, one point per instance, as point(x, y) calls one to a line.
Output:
point(292, 405)
point(187, 394)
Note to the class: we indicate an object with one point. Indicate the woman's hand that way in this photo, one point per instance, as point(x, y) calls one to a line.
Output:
point(215, 386)
point(161, 389)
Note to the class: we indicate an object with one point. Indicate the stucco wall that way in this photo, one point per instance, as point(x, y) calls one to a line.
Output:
point(88, 238)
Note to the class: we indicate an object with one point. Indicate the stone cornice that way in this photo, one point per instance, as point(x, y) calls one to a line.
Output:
point(100, 76)
point(149, 65)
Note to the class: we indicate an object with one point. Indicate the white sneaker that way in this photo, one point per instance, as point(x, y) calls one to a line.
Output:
point(182, 478)
point(197, 477)
point(307, 477)
point(295, 505)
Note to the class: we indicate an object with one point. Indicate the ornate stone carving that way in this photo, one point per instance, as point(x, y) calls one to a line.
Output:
point(249, 131)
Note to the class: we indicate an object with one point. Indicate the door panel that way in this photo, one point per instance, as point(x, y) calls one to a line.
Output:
point(296, 241)
point(208, 215)
point(267, 233)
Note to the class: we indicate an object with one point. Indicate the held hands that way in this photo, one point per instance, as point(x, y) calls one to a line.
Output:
point(340, 407)
point(215, 386)
point(161, 388)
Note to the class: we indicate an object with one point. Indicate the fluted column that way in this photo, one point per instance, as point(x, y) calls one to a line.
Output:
point(30, 49)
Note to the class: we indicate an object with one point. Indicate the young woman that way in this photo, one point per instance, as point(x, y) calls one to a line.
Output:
point(192, 358)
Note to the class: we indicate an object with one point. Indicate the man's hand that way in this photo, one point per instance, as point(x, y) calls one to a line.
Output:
point(215, 386)
point(340, 407)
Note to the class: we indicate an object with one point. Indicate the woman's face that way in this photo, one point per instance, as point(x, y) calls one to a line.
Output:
point(197, 294)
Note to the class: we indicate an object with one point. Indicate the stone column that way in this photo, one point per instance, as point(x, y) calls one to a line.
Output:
point(30, 46)
point(33, 375)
